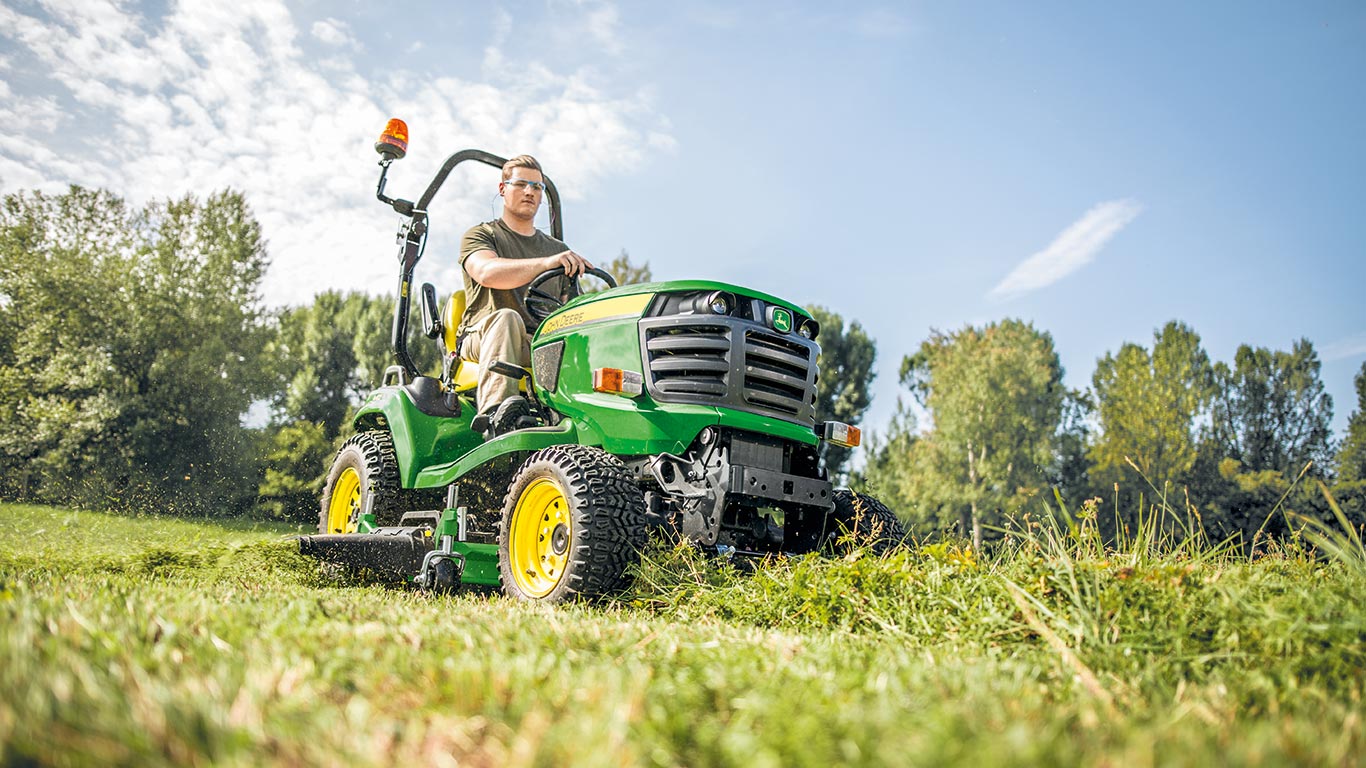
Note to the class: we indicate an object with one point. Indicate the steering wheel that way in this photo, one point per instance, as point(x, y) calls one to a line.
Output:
point(541, 304)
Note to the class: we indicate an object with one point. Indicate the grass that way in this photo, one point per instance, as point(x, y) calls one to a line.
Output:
point(168, 642)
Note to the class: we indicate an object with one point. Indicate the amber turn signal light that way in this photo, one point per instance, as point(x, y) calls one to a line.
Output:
point(615, 381)
point(839, 433)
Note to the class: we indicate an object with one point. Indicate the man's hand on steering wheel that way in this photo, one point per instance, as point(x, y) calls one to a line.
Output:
point(540, 304)
point(572, 263)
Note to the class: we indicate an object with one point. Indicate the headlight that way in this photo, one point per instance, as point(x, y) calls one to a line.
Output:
point(719, 303)
point(809, 329)
point(716, 302)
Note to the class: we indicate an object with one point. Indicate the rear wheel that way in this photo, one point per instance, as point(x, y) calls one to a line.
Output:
point(573, 523)
point(859, 521)
point(367, 461)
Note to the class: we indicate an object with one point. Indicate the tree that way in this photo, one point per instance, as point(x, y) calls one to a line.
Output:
point(846, 375)
point(1350, 489)
point(626, 272)
point(623, 270)
point(1071, 468)
point(63, 261)
point(995, 396)
point(898, 469)
point(318, 368)
point(296, 463)
point(1270, 411)
point(136, 347)
point(1351, 459)
point(1147, 406)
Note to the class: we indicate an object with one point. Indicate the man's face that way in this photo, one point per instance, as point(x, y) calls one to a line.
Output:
point(522, 199)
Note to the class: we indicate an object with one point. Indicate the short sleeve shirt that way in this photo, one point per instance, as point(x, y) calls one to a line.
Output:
point(498, 237)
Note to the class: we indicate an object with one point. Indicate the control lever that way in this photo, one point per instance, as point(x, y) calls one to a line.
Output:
point(509, 370)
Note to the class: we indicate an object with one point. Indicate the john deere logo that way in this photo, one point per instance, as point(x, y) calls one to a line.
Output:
point(782, 320)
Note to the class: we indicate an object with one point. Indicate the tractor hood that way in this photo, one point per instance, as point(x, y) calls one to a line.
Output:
point(680, 297)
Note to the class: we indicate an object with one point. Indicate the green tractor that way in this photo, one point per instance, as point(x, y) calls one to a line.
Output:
point(686, 408)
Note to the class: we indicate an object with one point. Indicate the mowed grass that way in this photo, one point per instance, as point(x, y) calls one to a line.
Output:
point(168, 642)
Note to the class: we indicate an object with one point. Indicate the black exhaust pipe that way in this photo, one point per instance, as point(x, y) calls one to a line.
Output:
point(395, 552)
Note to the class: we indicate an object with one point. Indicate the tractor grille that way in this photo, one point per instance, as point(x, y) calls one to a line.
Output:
point(729, 362)
point(776, 372)
point(690, 360)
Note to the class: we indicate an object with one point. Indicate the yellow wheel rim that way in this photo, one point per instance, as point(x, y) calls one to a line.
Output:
point(540, 536)
point(344, 508)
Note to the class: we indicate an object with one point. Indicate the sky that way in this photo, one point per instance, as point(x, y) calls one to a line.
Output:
point(1097, 169)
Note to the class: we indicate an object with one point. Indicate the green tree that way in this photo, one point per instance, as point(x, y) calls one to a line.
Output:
point(1350, 489)
point(296, 463)
point(328, 354)
point(317, 362)
point(898, 470)
point(136, 347)
point(1270, 411)
point(1147, 407)
point(995, 395)
point(1071, 468)
point(846, 376)
point(626, 272)
point(64, 261)
point(1351, 459)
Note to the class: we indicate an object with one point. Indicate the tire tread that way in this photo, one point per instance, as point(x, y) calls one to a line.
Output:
point(609, 520)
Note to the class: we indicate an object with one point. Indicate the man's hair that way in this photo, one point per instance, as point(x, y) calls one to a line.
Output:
point(520, 161)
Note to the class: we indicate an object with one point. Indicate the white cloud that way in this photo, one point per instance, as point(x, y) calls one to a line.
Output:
point(1345, 349)
point(218, 94)
point(602, 22)
point(334, 32)
point(596, 20)
point(1071, 250)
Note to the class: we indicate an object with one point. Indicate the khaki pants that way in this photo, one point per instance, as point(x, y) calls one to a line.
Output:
point(500, 336)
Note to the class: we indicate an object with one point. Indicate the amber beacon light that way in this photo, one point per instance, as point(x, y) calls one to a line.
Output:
point(393, 143)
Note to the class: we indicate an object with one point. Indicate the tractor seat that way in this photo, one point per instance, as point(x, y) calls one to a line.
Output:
point(464, 373)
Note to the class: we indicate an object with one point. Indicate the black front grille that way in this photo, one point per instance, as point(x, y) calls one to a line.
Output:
point(776, 372)
point(689, 360)
point(730, 362)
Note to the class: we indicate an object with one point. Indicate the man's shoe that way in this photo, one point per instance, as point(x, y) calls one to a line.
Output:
point(512, 414)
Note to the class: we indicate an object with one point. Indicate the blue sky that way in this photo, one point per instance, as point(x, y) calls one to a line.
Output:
point(1094, 168)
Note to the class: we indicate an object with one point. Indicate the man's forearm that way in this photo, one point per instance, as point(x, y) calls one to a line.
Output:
point(506, 274)
point(491, 271)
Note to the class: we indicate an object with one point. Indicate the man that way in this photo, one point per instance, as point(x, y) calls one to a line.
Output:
point(498, 259)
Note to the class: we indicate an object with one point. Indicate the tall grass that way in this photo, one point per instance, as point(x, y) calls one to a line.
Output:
point(222, 646)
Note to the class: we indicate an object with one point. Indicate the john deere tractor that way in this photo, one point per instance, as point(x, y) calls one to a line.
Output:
point(683, 408)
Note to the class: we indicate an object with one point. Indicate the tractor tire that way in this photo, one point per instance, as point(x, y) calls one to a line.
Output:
point(859, 521)
point(365, 461)
point(573, 525)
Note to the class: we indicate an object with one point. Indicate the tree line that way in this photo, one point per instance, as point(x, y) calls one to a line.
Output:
point(134, 342)
point(1163, 434)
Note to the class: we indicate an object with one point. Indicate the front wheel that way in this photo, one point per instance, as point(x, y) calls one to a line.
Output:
point(859, 521)
point(366, 462)
point(573, 523)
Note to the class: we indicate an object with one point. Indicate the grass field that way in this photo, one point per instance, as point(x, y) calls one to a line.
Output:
point(147, 641)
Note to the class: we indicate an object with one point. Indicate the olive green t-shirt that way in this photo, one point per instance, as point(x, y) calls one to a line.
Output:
point(496, 236)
